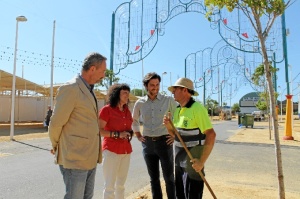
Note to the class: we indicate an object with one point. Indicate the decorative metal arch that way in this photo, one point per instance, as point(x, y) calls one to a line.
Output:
point(137, 24)
point(211, 68)
point(235, 29)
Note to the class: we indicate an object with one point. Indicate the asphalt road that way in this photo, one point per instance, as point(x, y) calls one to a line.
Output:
point(27, 170)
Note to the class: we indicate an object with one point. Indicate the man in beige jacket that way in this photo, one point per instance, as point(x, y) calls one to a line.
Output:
point(74, 129)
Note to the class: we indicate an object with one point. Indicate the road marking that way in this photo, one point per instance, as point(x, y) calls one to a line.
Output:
point(5, 154)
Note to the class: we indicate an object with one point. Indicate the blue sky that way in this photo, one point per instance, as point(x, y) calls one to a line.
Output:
point(85, 26)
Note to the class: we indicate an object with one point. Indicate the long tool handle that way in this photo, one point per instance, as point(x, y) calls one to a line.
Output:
point(191, 157)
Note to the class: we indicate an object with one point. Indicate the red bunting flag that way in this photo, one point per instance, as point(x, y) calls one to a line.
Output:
point(245, 35)
point(225, 21)
point(137, 47)
point(152, 32)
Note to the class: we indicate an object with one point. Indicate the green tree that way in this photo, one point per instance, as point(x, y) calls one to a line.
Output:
point(109, 77)
point(137, 92)
point(254, 10)
point(163, 92)
point(211, 105)
point(235, 108)
point(258, 79)
point(261, 105)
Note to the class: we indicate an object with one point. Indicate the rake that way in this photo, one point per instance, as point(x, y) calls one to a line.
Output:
point(191, 157)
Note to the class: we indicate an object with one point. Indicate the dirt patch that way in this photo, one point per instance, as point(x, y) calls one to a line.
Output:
point(230, 191)
point(225, 188)
point(261, 133)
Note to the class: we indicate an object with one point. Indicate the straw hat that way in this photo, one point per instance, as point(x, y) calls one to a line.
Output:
point(185, 83)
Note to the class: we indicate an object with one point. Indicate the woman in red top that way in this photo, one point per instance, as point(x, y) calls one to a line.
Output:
point(115, 126)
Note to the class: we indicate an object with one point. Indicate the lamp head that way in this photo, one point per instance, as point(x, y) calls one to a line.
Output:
point(21, 18)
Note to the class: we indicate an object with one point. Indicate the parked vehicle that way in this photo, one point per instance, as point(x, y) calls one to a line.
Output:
point(258, 115)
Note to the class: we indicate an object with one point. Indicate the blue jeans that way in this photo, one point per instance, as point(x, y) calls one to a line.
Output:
point(79, 183)
point(153, 152)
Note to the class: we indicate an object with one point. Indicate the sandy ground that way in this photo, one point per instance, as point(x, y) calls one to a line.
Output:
point(225, 190)
point(232, 190)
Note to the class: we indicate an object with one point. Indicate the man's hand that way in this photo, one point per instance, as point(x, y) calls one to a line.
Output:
point(141, 138)
point(167, 123)
point(170, 139)
point(52, 151)
point(166, 119)
point(197, 165)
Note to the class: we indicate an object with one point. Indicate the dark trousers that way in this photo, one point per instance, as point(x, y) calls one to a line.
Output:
point(153, 152)
point(187, 188)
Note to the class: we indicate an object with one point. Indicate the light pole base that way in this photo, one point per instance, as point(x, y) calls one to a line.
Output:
point(288, 138)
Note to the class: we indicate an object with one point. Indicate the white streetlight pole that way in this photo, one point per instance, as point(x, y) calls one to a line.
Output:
point(13, 92)
point(162, 81)
point(52, 67)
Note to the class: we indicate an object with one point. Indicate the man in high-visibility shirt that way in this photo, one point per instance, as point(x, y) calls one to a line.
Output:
point(192, 122)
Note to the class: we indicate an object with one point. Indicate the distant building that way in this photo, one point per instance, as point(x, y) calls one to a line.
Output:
point(283, 106)
point(248, 102)
point(32, 100)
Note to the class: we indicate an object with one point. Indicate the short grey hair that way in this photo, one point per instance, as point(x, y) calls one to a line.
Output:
point(92, 59)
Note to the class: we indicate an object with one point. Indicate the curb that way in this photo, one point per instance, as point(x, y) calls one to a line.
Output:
point(140, 194)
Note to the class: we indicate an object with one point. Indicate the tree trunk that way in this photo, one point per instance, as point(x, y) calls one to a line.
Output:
point(273, 113)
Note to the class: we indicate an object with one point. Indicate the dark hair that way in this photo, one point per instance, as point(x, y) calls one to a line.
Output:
point(114, 93)
point(92, 59)
point(191, 91)
point(150, 76)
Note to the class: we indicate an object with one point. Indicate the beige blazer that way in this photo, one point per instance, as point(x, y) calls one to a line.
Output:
point(74, 127)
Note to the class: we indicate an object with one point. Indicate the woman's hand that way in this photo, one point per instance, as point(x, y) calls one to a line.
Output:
point(124, 135)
